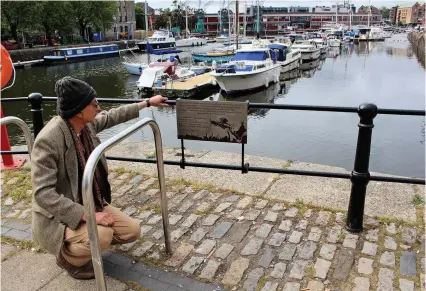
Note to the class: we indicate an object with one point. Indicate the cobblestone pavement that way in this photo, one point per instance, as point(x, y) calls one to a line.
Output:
point(249, 243)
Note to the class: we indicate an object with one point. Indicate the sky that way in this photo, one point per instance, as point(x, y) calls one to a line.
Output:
point(215, 5)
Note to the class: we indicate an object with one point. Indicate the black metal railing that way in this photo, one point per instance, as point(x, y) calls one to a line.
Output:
point(360, 176)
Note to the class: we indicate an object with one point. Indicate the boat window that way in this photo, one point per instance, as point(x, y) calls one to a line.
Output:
point(69, 52)
point(100, 49)
point(260, 66)
point(250, 56)
point(79, 52)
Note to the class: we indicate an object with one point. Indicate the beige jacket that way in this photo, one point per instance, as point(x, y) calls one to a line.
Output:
point(54, 176)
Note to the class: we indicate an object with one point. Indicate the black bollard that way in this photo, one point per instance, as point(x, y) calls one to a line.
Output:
point(36, 99)
point(360, 175)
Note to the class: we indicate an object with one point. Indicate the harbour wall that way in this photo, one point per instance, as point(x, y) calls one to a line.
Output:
point(417, 40)
point(30, 54)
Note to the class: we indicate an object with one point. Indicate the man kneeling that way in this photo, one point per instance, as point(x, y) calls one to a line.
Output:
point(58, 160)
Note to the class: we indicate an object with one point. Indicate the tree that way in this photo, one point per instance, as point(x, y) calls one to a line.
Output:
point(52, 16)
point(105, 11)
point(385, 12)
point(82, 13)
point(140, 17)
point(17, 15)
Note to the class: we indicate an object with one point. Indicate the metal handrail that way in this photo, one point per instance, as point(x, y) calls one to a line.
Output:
point(87, 192)
point(24, 127)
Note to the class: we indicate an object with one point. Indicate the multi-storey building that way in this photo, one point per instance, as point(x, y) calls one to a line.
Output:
point(276, 19)
point(125, 21)
point(392, 14)
point(408, 13)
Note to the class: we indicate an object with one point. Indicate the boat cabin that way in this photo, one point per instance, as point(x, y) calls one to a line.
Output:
point(86, 51)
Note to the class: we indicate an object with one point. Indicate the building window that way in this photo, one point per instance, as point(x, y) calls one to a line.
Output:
point(115, 29)
point(121, 28)
point(121, 18)
point(126, 28)
point(125, 18)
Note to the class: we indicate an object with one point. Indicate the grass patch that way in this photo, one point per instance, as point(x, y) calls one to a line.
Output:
point(418, 200)
point(310, 271)
point(287, 164)
point(19, 194)
point(23, 244)
point(120, 170)
point(135, 286)
point(261, 283)
point(204, 212)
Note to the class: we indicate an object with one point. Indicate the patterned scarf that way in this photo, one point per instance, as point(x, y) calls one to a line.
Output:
point(84, 147)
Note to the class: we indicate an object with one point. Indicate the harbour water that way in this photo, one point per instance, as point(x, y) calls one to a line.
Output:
point(385, 73)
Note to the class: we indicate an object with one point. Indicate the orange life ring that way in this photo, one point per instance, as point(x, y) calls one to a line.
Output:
point(6, 67)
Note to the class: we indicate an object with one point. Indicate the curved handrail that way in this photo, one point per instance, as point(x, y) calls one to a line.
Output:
point(24, 127)
point(87, 192)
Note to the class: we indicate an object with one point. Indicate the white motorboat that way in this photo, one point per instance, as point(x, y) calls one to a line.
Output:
point(370, 34)
point(288, 58)
point(249, 69)
point(333, 41)
point(190, 41)
point(309, 49)
point(322, 44)
point(160, 39)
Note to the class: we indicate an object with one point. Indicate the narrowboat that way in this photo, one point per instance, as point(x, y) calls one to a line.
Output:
point(76, 54)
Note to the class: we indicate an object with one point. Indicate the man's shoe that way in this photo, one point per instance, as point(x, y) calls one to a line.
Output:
point(85, 272)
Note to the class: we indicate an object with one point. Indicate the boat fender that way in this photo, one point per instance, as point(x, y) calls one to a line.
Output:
point(266, 82)
point(6, 67)
point(213, 81)
point(66, 58)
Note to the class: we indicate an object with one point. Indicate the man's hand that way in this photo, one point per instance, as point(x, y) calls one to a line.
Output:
point(102, 218)
point(158, 101)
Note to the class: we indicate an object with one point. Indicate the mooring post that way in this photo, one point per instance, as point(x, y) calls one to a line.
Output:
point(360, 176)
point(36, 99)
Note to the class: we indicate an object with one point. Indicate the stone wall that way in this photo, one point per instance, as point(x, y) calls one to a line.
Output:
point(30, 54)
point(417, 40)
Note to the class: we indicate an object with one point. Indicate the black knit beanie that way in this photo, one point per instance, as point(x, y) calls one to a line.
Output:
point(73, 96)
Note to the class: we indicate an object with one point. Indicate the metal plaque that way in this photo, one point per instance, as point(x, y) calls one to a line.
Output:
point(220, 121)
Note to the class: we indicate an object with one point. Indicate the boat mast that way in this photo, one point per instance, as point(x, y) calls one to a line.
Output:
point(237, 30)
point(337, 8)
point(245, 20)
point(186, 22)
point(369, 13)
point(258, 3)
point(146, 27)
point(229, 24)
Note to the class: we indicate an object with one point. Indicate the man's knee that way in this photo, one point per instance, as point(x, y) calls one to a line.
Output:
point(105, 236)
point(134, 229)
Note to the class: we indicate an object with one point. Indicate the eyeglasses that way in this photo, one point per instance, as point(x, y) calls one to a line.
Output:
point(95, 103)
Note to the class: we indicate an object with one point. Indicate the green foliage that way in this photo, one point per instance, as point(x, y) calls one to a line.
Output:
point(17, 15)
point(140, 17)
point(385, 12)
point(105, 12)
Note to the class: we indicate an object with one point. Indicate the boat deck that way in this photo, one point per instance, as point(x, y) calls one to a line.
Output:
point(186, 88)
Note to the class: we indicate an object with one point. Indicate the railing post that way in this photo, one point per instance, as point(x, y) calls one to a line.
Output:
point(36, 99)
point(360, 175)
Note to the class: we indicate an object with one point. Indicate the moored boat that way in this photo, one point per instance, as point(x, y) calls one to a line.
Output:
point(309, 49)
point(75, 54)
point(288, 58)
point(250, 69)
point(160, 39)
